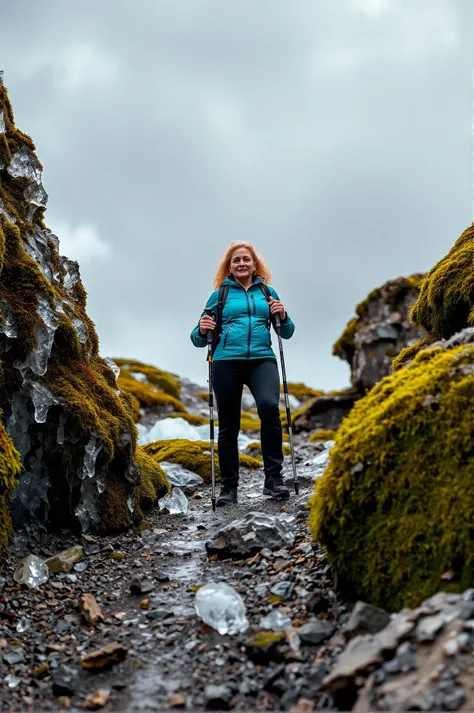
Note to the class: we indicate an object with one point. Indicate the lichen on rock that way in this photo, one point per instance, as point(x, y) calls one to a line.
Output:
point(62, 409)
point(395, 506)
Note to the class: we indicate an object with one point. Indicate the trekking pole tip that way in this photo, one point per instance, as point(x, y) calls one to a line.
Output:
point(297, 488)
point(213, 500)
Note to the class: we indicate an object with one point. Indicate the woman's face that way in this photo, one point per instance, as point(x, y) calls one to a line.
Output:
point(242, 264)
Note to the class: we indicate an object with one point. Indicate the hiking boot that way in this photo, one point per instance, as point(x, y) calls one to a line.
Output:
point(227, 496)
point(275, 487)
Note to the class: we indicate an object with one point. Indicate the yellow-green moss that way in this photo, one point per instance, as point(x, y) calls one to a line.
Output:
point(446, 298)
point(10, 467)
point(163, 379)
point(193, 419)
point(194, 455)
point(256, 447)
point(148, 395)
point(301, 391)
point(323, 434)
point(154, 483)
point(393, 528)
point(410, 352)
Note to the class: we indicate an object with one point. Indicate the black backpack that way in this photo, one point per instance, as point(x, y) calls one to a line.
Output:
point(222, 296)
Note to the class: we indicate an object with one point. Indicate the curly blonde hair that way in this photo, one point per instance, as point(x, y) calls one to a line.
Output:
point(223, 268)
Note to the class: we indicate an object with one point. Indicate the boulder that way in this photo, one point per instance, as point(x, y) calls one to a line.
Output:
point(400, 468)
point(255, 531)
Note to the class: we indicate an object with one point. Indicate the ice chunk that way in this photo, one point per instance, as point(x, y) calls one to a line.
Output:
point(168, 428)
point(37, 359)
point(9, 328)
point(12, 681)
point(70, 270)
point(81, 330)
point(138, 376)
point(221, 607)
point(4, 213)
point(23, 625)
point(42, 399)
point(2, 122)
point(176, 503)
point(33, 571)
point(24, 164)
point(131, 503)
point(61, 425)
point(112, 365)
point(91, 451)
point(182, 477)
point(36, 196)
point(37, 248)
point(275, 621)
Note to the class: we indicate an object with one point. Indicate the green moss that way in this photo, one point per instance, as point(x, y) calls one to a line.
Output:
point(162, 379)
point(393, 528)
point(194, 455)
point(323, 434)
point(10, 467)
point(410, 352)
point(301, 391)
point(193, 419)
point(446, 298)
point(154, 483)
point(265, 639)
point(148, 395)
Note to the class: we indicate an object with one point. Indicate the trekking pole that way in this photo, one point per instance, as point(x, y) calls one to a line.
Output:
point(211, 412)
point(277, 324)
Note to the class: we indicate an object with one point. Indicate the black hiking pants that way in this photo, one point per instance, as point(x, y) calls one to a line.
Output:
point(228, 379)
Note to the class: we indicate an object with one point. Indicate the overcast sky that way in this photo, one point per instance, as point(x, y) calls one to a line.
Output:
point(334, 134)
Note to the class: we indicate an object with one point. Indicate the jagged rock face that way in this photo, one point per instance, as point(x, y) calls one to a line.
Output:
point(380, 331)
point(325, 412)
point(62, 409)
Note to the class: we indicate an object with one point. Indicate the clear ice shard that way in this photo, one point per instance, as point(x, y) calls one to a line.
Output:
point(37, 359)
point(33, 571)
point(24, 164)
point(81, 330)
point(2, 122)
point(70, 270)
point(182, 477)
point(112, 365)
point(221, 607)
point(91, 451)
point(176, 503)
point(275, 621)
point(42, 399)
point(9, 328)
point(4, 213)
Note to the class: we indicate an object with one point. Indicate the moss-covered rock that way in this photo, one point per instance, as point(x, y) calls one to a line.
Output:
point(193, 455)
point(322, 434)
point(148, 374)
point(72, 427)
point(380, 331)
point(395, 507)
point(10, 467)
point(301, 391)
point(445, 304)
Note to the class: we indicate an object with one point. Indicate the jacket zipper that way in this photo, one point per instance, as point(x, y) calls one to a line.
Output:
point(226, 335)
point(250, 325)
point(253, 304)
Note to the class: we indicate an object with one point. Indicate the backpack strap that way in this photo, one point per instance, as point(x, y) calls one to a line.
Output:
point(268, 297)
point(222, 296)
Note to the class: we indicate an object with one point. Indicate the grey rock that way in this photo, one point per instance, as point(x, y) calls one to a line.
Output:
point(255, 531)
point(317, 602)
point(141, 585)
point(65, 681)
point(283, 590)
point(218, 697)
point(365, 619)
point(316, 631)
point(17, 656)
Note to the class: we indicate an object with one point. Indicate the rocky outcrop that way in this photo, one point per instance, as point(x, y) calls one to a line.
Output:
point(445, 305)
point(62, 409)
point(325, 413)
point(380, 331)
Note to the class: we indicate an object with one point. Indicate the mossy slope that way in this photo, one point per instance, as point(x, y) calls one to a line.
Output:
point(61, 406)
point(395, 506)
point(10, 467)
point(193, 455)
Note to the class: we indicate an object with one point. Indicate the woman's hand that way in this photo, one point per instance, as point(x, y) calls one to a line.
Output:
point(277, 307)
point(206, 323)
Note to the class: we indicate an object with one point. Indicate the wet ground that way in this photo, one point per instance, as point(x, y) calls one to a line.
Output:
point(171, 656)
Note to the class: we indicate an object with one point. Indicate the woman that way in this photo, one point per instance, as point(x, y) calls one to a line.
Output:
point(244, 356)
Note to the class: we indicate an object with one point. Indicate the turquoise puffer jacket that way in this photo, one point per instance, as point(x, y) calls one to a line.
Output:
point(245, 323)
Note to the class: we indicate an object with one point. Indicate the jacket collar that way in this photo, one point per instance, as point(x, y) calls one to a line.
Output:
point(232, 281)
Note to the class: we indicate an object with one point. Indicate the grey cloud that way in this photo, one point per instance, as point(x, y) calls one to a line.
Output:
point(337, 140)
